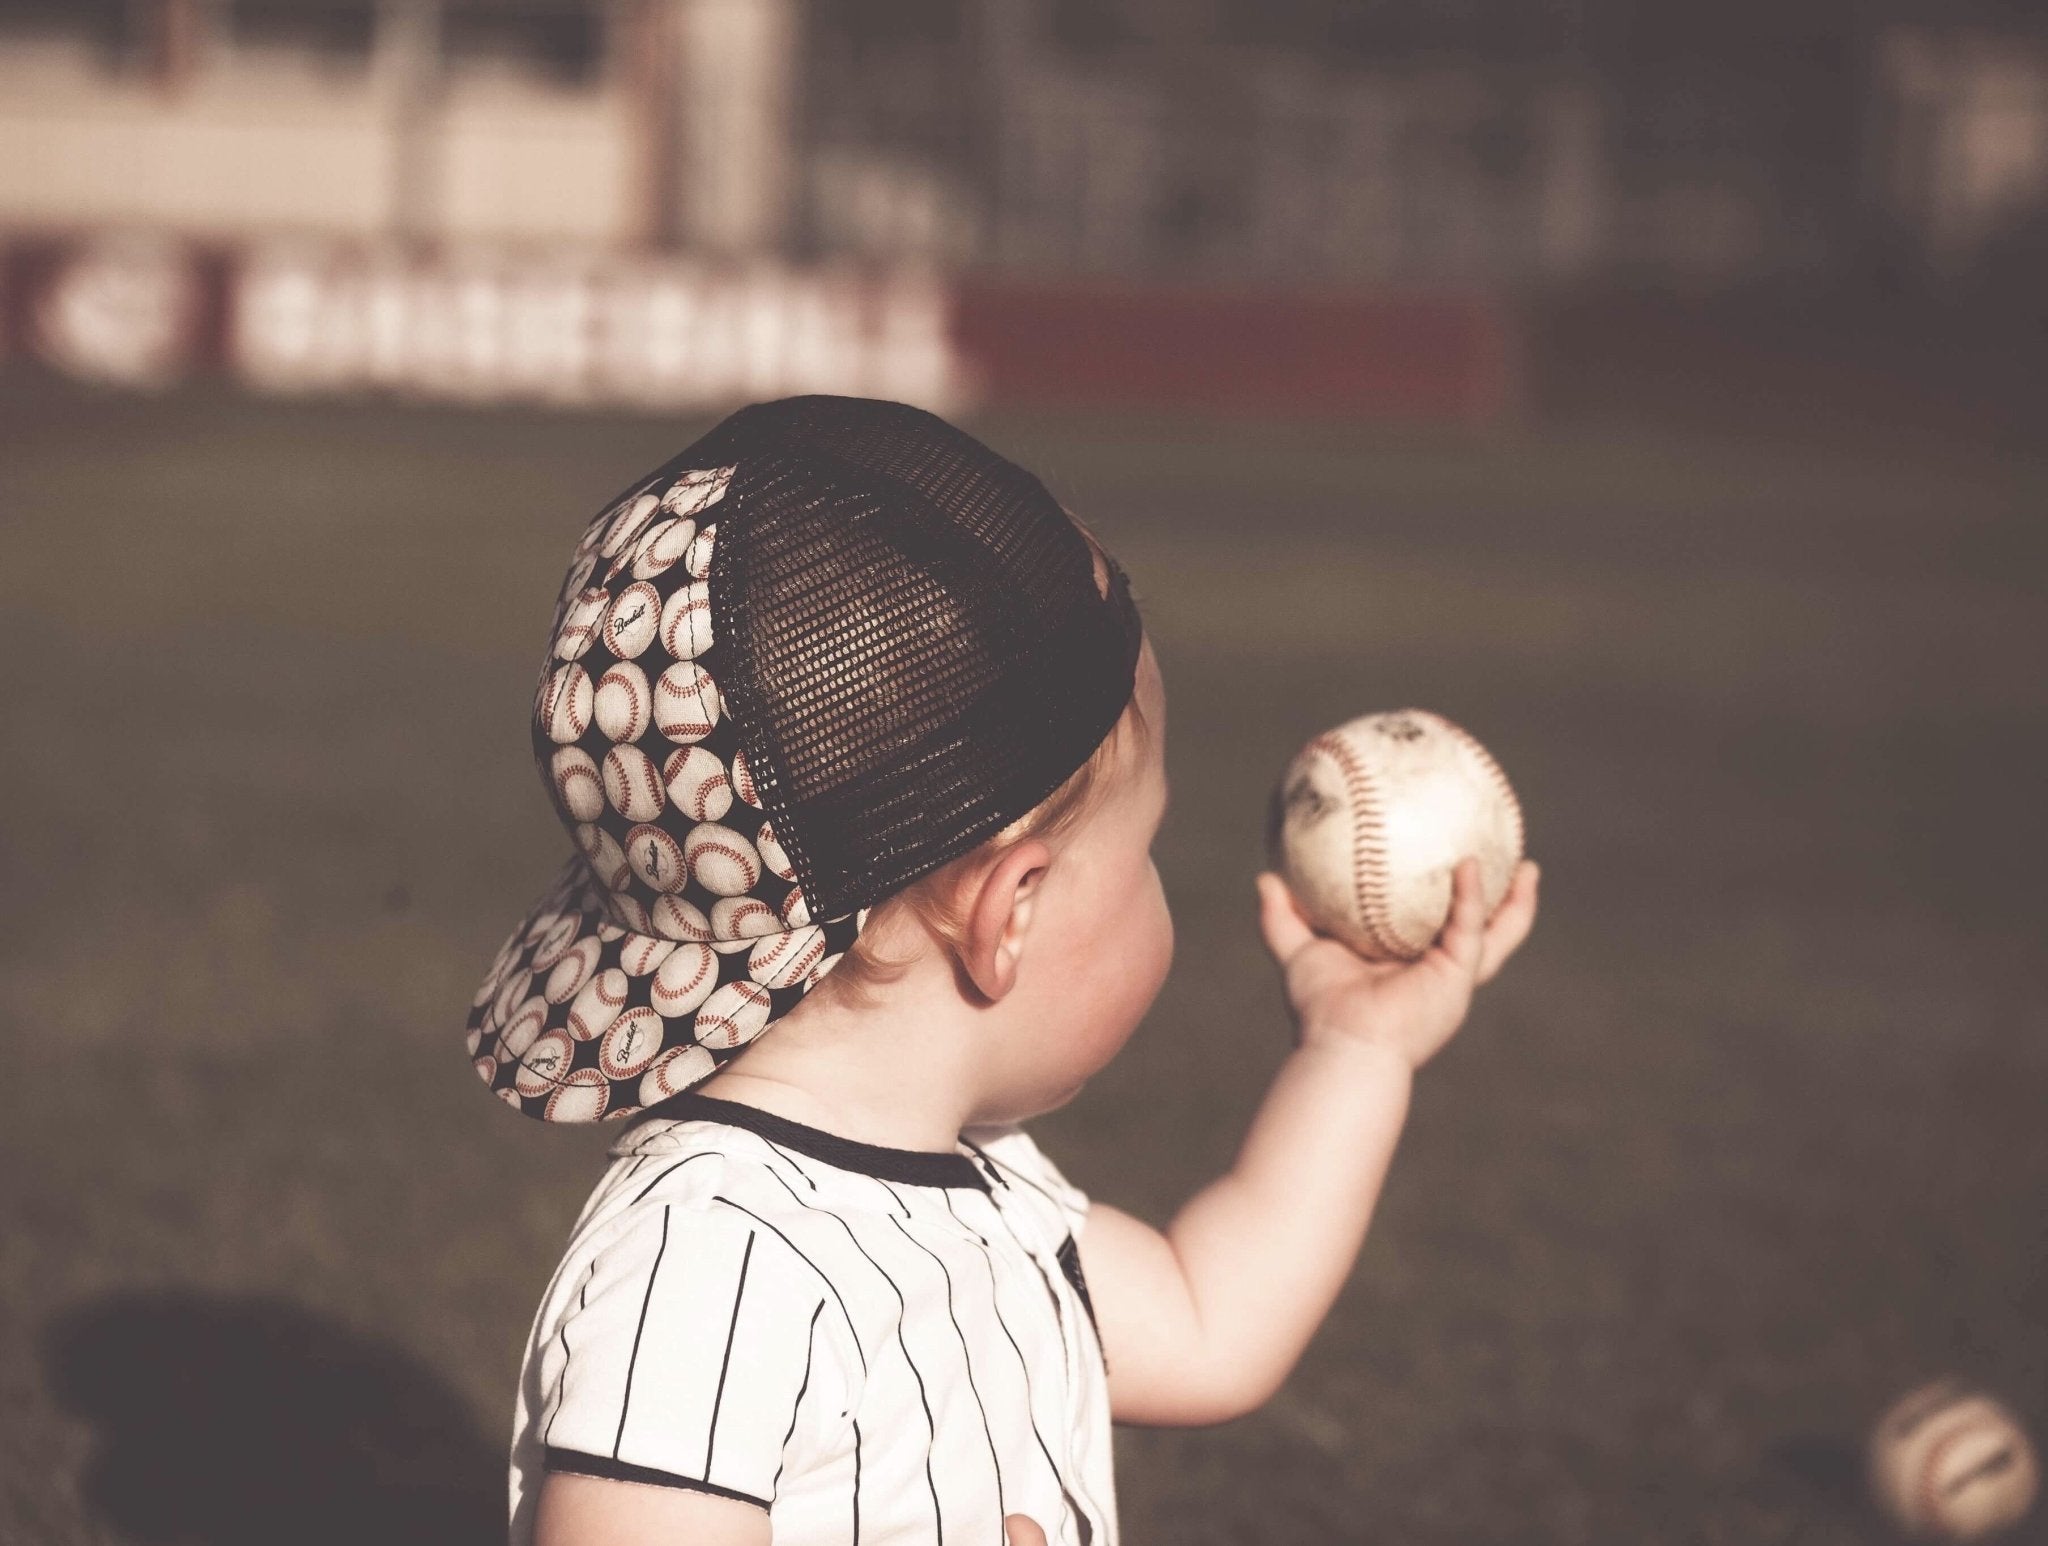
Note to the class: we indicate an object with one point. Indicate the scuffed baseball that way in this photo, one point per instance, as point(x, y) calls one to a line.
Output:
point(1949, 1463)
point(1370, 819)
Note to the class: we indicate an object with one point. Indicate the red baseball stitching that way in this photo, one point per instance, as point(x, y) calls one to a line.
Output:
point(1500, 779)
point(1368, 851)
point(669, 990)
point(712, 845)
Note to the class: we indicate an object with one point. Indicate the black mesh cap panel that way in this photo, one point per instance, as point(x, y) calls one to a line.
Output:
point(917, 648)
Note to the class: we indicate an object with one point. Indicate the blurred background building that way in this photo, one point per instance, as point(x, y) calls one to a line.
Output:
point(920, 193)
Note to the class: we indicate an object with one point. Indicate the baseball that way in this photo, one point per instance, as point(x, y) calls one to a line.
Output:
point(565, 703)
point(631, 520)
point(581, 1097)
point(629, 625)
point(576, 784)
point(674, 918)
point(642, 953)
point(696, 781)
point(572, 971)
point(580, 623)
point(733, 1016)
point(664, 543)
point(783, 960)
point(632, 784)
point(696, 490)
point(630, 1044)
point(698, 559)
point(607, 859)
point(657, 858)
point(1371, 818)
point(742, 917)
point(773, 854)
point(684, 980)
point(743, 781)
point(1951, 1464)
point(685, 702)
point(721, 860)
point(554, 944)
point(674, 1072)
point(598, 1004)
point(543, 1064)
point(624, 704)
point(686, 621)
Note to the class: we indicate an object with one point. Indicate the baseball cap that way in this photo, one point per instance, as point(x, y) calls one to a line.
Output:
point(833, 644)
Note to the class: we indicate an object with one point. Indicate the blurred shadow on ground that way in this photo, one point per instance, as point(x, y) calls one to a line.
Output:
point(245, 1422)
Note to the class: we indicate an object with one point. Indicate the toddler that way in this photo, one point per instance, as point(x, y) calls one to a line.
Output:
point(861, 745)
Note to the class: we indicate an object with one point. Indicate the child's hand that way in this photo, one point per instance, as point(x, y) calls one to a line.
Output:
point(1410, 1007)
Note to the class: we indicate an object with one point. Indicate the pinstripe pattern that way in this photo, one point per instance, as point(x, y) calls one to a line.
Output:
point(874, 1347)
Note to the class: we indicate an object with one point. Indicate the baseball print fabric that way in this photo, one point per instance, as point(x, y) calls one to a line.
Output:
point(679, 932)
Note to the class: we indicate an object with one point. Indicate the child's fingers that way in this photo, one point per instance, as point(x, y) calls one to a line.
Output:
point(1464, 933)
point(1511, 925)
point(1280, 921)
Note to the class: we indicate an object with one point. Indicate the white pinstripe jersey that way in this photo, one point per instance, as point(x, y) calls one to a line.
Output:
point(879, 1346)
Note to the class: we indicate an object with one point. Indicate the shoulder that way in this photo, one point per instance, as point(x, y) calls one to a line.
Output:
point(1020, 1165)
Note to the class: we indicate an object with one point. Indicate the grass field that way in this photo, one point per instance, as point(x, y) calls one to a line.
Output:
point(1747, 1140)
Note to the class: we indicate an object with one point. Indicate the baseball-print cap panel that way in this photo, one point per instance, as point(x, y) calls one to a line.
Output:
point(814, 656)
point(916, 648)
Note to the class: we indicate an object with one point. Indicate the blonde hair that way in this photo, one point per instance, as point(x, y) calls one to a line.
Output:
point(937, 900)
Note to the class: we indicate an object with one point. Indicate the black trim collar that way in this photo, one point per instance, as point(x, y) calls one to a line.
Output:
point(911, 1167)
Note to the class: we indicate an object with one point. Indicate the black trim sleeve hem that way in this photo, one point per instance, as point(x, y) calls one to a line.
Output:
point(577, 1463)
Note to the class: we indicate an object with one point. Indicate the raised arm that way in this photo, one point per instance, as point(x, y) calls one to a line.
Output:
point(1204, 1321)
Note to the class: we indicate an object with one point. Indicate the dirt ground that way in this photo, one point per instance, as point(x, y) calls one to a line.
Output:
point(1747, 1141)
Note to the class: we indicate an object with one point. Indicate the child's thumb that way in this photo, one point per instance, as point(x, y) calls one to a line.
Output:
point(1280, 920)
point(1020, 1531)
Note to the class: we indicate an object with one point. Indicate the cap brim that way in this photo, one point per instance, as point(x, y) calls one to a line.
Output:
point(582, 1020)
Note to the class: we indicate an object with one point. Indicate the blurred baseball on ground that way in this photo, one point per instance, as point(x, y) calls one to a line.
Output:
point(1951, 1464)
point(1371, 818)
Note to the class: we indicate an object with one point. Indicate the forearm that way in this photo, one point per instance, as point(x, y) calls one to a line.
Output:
point(1265, 1248)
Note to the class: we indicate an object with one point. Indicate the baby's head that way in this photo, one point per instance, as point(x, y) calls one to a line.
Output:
point(819, 691)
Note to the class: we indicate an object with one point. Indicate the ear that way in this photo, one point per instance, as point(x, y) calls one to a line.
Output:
point(999, 916)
